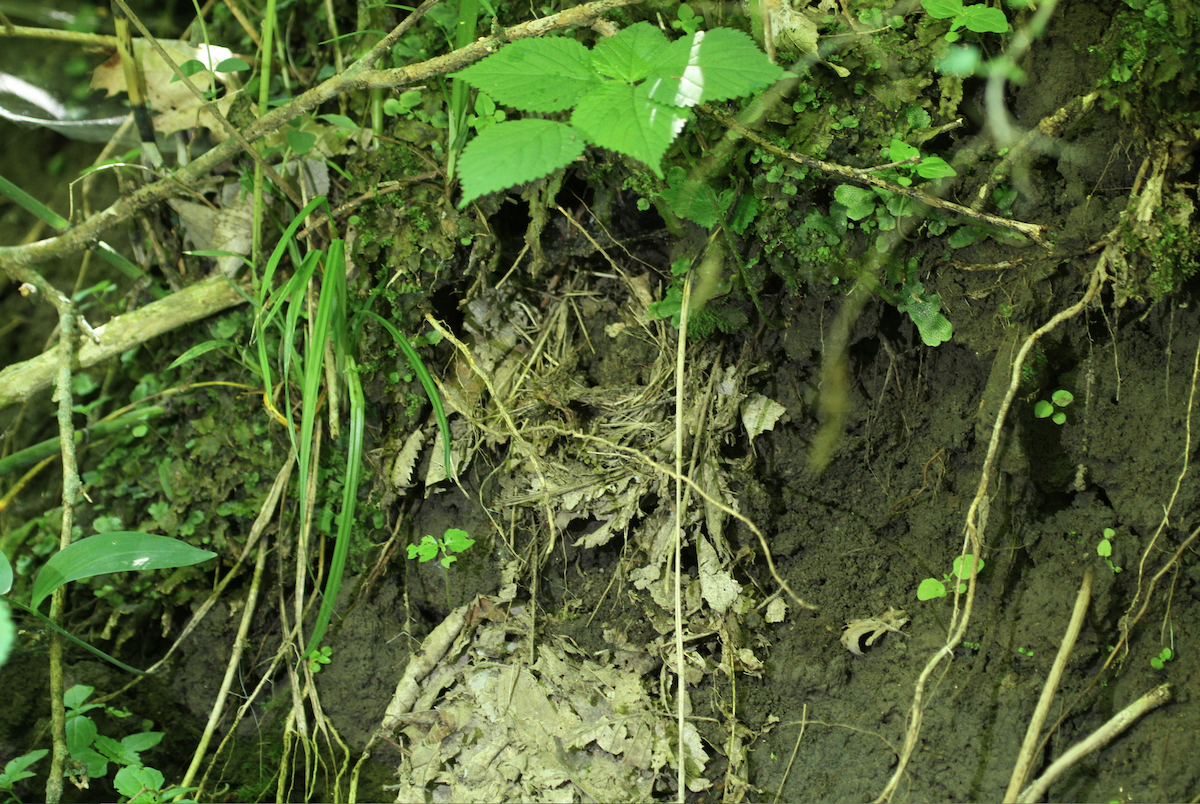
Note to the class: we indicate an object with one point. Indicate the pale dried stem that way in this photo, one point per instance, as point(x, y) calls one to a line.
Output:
point(1028, 747)
point(1097, 739)
point(231, 668)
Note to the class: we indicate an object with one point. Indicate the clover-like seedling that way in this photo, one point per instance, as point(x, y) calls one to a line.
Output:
point(455, 541)
point(317, 658)
point(1104, 549)
point(932, 587)
point(1047, 410)
point(1160, 661)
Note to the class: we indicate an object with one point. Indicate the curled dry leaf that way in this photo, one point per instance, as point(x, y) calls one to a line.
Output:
point(872, 628)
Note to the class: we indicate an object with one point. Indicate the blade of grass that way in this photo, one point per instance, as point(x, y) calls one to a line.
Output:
point(331, 323)
point(431, 391)
point(32, 205)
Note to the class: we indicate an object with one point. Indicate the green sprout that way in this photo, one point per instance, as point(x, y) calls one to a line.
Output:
point(1046, 410)
point(978, 18)
point(1104, 549)
point(455, 541)
point(932, 587)
point(1160, 661)
point(1028, 652)
point(317, 658)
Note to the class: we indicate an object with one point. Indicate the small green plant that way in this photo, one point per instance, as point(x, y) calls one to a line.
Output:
point(15, 771)
point(977, 18)
point(1164, 656)
point(1049, 410)
point(632, 93)
point(925, 309)
point(91, 752)
point(1028, 652)
point(455, 541)
point(318, 658)
point(932, 587)
point(1105, 549)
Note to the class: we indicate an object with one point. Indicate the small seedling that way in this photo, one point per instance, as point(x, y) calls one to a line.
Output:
point(1047, 410)
point(1025, 652)
point(455, 541)
point(1104, 549)
point(1160, 661)
point(317, 658)
point(932, 587)
point(979, 18)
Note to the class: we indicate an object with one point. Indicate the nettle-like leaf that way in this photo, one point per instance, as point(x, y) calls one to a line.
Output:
point(632, 54)
point(622, 118)
point(537, 75)
point(514, 152)
point(639, 113)
point(711, 66)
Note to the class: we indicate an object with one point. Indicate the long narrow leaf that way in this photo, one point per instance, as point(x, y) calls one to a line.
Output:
point(121, 551)
point(32, 205)
point(46, 621)
point(431, 391)
point(346, 523)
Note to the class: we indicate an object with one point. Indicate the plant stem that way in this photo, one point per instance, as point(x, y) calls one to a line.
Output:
point(1025, 755)
point(1115, 725)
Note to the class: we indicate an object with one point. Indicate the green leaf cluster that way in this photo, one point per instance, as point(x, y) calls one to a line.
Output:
point(931, 588)
point(979, 18)
point(455, 541)
point(15, 771)
point(94, 751)
point(1105, 549)
point(632, 93)
point(1164, 656)
point(1049, 410)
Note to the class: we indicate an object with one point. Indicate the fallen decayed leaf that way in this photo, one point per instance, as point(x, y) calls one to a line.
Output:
point(176, 108)
point(890, 620)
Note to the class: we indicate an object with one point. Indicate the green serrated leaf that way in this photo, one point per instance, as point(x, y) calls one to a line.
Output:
point(622, 118)
point(942, 9)
point(710, 66)
point(515, 152)
point(113, 552)
point(693, 200)
point(981, 19)
point(538, 75)
point(858, 201)
point(630, 55)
